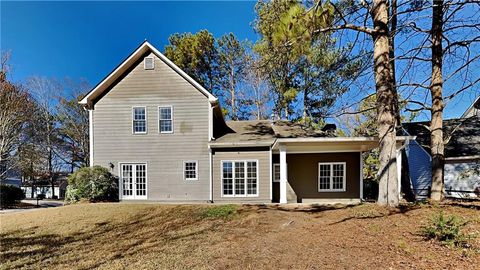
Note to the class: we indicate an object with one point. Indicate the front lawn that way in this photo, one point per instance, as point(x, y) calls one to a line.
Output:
point(151, 236)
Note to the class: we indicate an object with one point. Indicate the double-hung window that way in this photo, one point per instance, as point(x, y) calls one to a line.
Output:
point(190, 170)
point(276, 172)
point(332, 176)
point(239, 178)
point(165, 116)
point(139, 117)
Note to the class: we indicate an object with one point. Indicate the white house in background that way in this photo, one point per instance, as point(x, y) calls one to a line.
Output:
point(462, 155)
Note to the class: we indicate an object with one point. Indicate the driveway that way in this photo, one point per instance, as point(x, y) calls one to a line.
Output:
point(41, 204)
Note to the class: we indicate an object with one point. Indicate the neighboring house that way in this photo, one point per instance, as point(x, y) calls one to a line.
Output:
point(473, 110)
point(462, 156)
point(44, 187)
point(165, 137)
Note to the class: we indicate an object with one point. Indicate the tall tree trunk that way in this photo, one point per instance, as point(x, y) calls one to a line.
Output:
point(50, 170)
point(436, 124)
point(393, 30)
point(388, 184)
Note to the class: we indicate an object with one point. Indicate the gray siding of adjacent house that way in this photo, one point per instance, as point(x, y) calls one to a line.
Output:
point(419, 164)
point(262, 155)
point(164, 153)
point(461, 179)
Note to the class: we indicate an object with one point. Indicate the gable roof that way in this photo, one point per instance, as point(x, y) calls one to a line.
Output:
point(475, 105)
point(128, 62)
point(462, 136)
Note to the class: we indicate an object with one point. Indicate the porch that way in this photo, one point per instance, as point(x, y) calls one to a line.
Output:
point(319, 170)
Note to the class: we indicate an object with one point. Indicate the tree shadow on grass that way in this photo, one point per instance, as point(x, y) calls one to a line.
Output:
point(305, 208)
point(381, 212)
point(115, 240)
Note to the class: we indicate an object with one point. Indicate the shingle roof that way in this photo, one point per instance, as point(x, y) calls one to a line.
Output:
point(462, 136)
point(265, 131)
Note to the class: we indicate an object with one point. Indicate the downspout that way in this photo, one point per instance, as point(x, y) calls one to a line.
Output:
point(90, 135)
point(210, 161)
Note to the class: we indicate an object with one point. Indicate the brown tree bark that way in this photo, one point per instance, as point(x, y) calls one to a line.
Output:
point(386, 97)
point(436, 91)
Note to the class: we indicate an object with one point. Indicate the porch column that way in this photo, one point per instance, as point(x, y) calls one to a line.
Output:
point(283, 174)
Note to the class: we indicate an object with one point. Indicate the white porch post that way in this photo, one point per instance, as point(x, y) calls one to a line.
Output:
point(399, 172)
point(283, 174)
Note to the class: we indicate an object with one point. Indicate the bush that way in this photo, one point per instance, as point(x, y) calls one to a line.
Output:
point(220, 211)
point(92, 184)
point(10, 195)
point(446, 229)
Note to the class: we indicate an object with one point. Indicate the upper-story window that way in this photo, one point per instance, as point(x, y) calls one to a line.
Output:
point(139, 117)
point(165, 116)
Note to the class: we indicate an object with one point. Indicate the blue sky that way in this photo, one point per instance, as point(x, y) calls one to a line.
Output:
point(88, 39)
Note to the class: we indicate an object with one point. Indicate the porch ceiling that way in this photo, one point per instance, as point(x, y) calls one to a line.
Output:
point(331, 144)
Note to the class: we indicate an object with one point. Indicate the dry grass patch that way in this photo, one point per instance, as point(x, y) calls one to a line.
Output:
point(149, 236)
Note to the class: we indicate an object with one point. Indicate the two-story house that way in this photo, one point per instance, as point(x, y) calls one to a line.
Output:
point(164, 135)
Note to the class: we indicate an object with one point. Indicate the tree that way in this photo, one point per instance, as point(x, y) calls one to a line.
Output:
point(45, 92)
point(446, 32)
point(348, 19)
point(260, 93)
point(233, 65)
point(73, 131)
point(196, 54)
point(16, 109)
point(436, 85)
point(277, 61)
point(305, 68)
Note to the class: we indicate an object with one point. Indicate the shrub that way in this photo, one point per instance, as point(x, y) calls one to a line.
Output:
point(220, 211)
point(10, 195)
point(92, 184)
point(446, 229)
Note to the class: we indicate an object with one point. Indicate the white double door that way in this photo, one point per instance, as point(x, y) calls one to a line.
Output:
point(133, 181)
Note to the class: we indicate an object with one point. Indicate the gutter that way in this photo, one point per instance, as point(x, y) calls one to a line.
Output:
point(239, 144)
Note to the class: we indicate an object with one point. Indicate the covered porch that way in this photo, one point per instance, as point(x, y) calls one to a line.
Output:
point(319, 170)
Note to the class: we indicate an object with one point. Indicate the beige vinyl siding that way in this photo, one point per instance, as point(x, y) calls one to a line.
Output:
point(164, 154)
point(259, 155)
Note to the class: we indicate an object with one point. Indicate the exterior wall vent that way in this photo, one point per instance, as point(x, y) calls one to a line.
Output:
point(149, 63)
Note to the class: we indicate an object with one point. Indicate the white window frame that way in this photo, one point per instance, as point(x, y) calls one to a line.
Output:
point(185, 169)
point(145, 63)
point(134, 190)
point(160, 119)
point(331, 189)
point(273, 169)
point(133, 120)
point(246, 178)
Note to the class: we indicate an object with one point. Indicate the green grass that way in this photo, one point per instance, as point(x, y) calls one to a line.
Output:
point(221, 211)
point(447, 229)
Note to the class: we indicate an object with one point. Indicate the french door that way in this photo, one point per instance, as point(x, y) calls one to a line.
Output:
point(133, 181)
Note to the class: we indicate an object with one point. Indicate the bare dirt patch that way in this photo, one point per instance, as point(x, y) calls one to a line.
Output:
point(148, 236)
